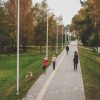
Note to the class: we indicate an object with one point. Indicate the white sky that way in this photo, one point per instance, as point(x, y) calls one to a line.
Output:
point(66, 8)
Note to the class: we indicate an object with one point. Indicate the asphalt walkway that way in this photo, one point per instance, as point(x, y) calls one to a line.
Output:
point(61, 84)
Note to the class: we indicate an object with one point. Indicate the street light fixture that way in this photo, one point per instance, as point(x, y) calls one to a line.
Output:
point(47, 33)
point(18, 27)
point(57, 36)
point(65, 36)
point(47, 39)
point(62, 35)
point(69, 35)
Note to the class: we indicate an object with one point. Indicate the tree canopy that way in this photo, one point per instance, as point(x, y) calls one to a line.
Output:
point(33, 24)
point(87, 23)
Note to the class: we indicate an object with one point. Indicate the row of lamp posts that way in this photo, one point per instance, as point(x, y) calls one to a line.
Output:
point(18, 31)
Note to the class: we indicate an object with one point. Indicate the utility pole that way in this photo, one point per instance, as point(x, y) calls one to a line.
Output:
point(57, 40)
point(47, 37)
point(18, 25)
point(65, 36)
point(62, 35)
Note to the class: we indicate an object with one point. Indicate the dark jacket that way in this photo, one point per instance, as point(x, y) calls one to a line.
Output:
point(67, 48)
point(75, 59)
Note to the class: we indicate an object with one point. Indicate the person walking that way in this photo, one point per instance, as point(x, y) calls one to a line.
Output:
point(75, 60)
point(45, 64)
point(67, 49)
point(54, 61)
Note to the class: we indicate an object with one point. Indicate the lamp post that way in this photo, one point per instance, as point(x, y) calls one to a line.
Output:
point(57, 40)
point(65, 36)
point(62, 36)
point(57, 36)
point(47, 33)
point(18, 27)
point(74, 33)
point(68, 36)
point(47, 37)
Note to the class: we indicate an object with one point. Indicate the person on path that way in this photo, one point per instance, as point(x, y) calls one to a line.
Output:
point(54, 61)
point(45, 64)
point(75, 60)
point(67, 49)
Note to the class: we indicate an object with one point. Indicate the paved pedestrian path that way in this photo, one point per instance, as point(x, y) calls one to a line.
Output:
point(61, 84)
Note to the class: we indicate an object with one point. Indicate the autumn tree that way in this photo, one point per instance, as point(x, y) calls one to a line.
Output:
point(6, 39)
point(40, 13)
point(93, 6)
point(83, 24)
point(87, 23)
point(26, 19)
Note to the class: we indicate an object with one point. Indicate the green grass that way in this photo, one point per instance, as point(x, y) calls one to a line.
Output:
point(90, 64)
point(29, 61)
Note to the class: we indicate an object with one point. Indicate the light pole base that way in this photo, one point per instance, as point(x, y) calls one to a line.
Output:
point(17, 93)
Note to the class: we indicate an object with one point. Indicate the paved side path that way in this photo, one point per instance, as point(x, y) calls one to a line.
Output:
point(62, 84)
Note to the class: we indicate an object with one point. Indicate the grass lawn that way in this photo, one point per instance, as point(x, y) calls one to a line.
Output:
point(29, 61)
point(90, 65)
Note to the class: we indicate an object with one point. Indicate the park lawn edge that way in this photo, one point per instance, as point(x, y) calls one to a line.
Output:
point(91, 75)
point(25, 84)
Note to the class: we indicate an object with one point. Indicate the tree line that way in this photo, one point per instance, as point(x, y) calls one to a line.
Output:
point(87, 23)
point(33, 25)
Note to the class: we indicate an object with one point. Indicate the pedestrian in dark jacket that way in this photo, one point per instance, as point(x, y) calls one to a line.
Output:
point(75, 60)
point(67, 49)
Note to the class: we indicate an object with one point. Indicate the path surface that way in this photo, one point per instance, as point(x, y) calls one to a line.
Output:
point(62, 84)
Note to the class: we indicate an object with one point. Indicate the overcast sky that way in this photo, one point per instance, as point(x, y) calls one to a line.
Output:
point(66, 8)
